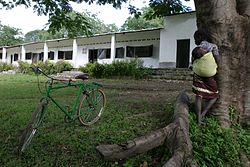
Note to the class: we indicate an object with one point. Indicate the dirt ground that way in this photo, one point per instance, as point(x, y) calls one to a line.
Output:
point(154, 90)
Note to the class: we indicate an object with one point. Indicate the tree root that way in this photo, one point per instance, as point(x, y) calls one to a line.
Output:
point(175, 135)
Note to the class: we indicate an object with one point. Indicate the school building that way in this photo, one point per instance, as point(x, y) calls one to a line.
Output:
point(167, 47)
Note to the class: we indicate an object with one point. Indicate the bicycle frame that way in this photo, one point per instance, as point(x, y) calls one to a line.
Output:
point(52, 87)
point(91, 101)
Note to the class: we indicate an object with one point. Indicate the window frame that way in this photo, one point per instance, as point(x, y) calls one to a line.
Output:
point(122, 54)
point(136, 51)
point(65, 55)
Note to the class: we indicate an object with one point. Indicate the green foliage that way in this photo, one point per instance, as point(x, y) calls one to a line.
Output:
point(130, 68)
point(24, 67)
point(9, 35)
point(141, 22)
point(62, 65)
point(42, 35)
point(88, 68)
point(215, 146)
point(73, 22)
point(48, 67)
point(97, 25)
point(62, 17)
point(5, 67)
point(163, 8)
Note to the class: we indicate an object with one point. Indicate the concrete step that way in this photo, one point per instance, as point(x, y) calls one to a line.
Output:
point(172, 74)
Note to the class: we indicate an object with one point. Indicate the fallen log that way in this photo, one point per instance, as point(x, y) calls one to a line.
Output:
point(175, 135)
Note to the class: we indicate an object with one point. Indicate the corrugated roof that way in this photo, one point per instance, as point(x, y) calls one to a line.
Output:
point(96, 35)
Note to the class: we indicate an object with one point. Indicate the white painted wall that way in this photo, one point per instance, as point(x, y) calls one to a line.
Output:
point(82, 56)
point(176, 27)
point(12, 51)
point(142, 38)
point(164, 41)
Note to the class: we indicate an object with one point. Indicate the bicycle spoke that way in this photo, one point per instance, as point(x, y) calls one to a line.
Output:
point(31, 128)
point(91, 107)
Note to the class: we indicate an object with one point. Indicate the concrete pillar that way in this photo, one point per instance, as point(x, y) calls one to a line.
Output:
point(45, 52)
point(4, 55)
point(75, 47)
point(113, 48)
point(23, 53)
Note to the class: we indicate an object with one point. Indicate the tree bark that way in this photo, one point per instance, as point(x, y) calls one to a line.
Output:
point(228, 25)
point(175, 135)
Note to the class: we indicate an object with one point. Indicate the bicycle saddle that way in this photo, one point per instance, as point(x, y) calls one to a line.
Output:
point(82, 76)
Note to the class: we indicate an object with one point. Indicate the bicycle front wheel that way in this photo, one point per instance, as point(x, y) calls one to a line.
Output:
point(91, 107)
point(32, 126)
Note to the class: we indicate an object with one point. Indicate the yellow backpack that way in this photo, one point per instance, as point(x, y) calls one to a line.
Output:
point(205, 66)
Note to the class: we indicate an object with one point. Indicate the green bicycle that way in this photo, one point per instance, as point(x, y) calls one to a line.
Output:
point(87, 108)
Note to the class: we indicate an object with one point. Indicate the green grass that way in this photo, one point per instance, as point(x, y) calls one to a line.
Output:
point(69, 144)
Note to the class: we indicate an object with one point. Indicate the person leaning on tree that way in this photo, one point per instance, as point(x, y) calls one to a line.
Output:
point(205, 58)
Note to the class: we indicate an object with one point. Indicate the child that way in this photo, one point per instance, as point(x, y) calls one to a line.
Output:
point(205, 58)
point(204, 64)
point(201, 39)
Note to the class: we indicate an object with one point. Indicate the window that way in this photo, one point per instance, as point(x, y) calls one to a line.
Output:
point(66, 55)
point(60, 55)
point(51, 55)
point(15, 57)
point(28, 56)
point(1, 55)
point(103, 53)
point(140, 51)
point(119, 53)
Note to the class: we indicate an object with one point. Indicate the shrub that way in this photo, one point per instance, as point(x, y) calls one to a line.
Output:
point(48, 67)
point(88, 68)
point(5, 67)
point(130, 68)
point(24, 67)
point(62, 65)
point(98, 70)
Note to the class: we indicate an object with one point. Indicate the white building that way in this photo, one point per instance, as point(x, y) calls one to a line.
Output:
point(168, 47)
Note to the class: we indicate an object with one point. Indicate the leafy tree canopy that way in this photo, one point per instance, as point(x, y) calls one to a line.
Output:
point(61, 15)
point(141, 22)
point(97, 27)
point(10, 35)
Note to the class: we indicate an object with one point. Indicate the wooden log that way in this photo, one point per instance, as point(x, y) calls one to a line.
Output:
point(181, 145)
point(175, 135)
point(135, 146)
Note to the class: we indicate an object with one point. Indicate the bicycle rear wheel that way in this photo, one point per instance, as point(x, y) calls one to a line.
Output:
point(91, 107)
point(32, 126)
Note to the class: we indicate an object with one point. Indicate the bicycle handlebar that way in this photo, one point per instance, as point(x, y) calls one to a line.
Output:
point(38, 70)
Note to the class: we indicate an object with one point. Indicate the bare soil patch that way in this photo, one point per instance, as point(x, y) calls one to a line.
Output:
point(154, 91)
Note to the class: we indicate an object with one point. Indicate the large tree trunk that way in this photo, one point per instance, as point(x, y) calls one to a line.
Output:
point(229, 27)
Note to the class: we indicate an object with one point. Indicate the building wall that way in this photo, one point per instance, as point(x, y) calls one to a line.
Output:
point(164, 41)
point(176, 27)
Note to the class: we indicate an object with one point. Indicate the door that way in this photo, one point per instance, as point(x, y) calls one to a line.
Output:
point(182, 55)
point(92, 55)
point(11, 59)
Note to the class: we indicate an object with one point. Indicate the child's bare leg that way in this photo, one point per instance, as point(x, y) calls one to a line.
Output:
point(198, 103)
point(210, 103)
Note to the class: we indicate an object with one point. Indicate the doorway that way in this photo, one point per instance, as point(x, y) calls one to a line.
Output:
point(93, 55)
point(182, 55)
